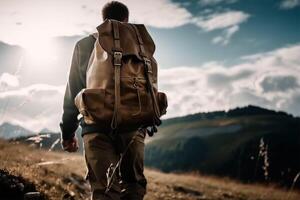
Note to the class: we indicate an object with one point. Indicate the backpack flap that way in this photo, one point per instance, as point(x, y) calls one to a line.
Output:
point(128, 46)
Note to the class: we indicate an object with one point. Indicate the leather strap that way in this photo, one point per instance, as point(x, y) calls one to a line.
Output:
point(117, 62)
point(116, 36)
point(140, 40)
point(157, 115)
point(148, 71)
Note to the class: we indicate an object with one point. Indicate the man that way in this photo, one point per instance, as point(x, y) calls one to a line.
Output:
point(101, 151)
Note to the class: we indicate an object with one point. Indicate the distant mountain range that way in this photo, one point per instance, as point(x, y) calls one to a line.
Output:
point(249, 143)
point(44, 138)
point(12, 131)
point(8, 131)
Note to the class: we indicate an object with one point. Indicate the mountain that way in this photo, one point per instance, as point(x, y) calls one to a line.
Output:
point(45, 130)
point(9, 131)
point(250, 144)
point(47, 139)
point(9, 57)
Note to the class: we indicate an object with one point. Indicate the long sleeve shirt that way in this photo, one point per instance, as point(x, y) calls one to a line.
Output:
point(76, 82)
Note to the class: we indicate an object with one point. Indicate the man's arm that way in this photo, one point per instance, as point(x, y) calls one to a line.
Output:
point(69, 122)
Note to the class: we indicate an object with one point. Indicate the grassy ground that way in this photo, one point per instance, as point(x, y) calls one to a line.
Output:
point(57, 174)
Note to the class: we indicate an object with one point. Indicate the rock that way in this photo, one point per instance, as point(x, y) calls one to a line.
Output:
point(16, 187)
point(32, 196)
point(185, 190)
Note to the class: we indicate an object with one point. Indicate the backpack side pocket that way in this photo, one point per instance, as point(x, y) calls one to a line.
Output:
point(90, 103)
point(162, 102)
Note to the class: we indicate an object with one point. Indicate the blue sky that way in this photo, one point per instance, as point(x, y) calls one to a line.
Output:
point(268, 27)
point(212, 54)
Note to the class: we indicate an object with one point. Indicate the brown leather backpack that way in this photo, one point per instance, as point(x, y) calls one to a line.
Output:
point(121, 87)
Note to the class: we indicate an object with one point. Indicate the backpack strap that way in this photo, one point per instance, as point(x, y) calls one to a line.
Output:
point(93, 37)
point(117, 62)
point(148, 71)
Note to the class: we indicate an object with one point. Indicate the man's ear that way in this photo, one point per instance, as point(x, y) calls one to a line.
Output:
point(126, 20)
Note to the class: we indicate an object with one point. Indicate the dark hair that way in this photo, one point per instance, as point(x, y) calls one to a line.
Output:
point(115, 10)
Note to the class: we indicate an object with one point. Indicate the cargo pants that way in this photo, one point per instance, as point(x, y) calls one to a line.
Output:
point(101, 151)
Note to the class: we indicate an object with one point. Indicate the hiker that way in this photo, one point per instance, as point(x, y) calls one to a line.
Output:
point(112, 87)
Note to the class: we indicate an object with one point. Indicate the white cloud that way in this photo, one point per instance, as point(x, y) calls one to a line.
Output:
point(9, 80)
point(227, 21)
point(289, 4)
point(221, 20)
point(269, 79)
point(224, 39)
point(218, 87)
point(214, 2)
point(158, 13)
point(32, 90)
point(34, 107)
point(24, 21)
point(34, 22)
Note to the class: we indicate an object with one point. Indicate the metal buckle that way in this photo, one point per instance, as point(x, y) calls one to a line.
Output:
point(117, 53)
point(148, 65)
point(118, 58)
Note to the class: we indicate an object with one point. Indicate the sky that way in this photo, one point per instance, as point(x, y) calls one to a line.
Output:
point(212, 54)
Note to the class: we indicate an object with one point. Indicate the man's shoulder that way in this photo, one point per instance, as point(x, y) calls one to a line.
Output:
point(87, 41)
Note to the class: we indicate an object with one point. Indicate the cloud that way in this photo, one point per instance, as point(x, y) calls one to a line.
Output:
point(221, 79)
point(221, 20)
point(224, 39)
point(34, 107)
point(9, 80)
point(51, 18)
point(269, 79)
point(289, 4)
point(214, 2)
point(292, 104)
point(170, 14)
point(227, 21)
point(279, 83)
point(73, 17)
point(35, 89)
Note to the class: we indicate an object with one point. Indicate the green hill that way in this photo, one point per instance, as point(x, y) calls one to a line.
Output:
point(228, 144)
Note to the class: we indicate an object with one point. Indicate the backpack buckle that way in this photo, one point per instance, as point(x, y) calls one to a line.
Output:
point(148, 65)
point(117, 58)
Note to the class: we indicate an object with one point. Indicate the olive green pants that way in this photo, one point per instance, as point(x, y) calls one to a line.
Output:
point(101, 151)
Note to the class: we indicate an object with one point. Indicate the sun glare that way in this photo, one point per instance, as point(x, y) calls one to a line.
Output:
point(39, 49)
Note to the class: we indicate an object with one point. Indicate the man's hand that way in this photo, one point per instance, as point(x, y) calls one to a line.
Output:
point(70, 145)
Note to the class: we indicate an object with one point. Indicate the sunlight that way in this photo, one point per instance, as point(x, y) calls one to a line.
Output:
point(39, 49)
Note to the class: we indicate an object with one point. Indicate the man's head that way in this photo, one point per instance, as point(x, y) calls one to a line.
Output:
point(115, 10)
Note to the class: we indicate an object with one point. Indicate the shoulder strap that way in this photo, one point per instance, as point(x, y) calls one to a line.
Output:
point(117, 62)
point(148, 71)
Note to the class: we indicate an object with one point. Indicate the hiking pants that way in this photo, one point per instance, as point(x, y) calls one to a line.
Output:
point(101, 151)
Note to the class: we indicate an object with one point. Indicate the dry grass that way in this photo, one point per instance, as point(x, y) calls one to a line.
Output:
point(65, 175)
point(222, 188)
